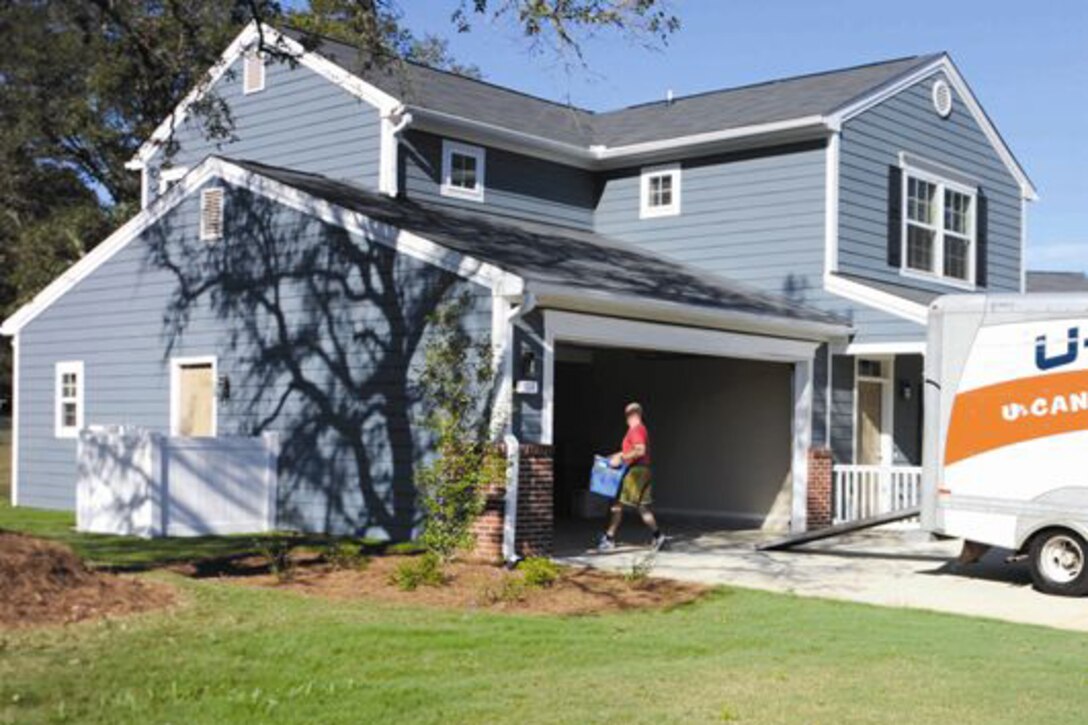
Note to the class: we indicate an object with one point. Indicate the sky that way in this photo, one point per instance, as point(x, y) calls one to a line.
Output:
point(1026, 62)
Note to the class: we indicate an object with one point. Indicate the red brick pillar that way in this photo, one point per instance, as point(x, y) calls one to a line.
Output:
point(536, 491)
point(819, 488)
point(535, 525)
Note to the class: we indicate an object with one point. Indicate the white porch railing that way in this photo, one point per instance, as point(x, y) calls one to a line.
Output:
point(864, 491)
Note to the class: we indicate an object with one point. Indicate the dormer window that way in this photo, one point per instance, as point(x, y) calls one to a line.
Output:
point(660, 191)
point(463, 171)
point(253, 73)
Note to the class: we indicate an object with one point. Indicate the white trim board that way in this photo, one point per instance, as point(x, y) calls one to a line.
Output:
point(401, 241)
point(176, 363)
point(15, 400)
point(877, 299)
point(831, 204)
point(882, 349)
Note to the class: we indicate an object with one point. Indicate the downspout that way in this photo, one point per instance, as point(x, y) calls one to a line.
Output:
point(388, 182)
point(513, 446)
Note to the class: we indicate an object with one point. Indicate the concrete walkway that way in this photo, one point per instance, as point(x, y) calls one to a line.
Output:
point(890, 567)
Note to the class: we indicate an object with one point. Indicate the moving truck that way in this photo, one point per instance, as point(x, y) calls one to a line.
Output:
point(1005, 449)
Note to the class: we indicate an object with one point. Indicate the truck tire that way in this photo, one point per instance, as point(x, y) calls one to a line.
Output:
point(1059, 563)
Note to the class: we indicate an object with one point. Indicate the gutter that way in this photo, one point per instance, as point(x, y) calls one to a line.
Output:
point(513, 447)
point(611, 304)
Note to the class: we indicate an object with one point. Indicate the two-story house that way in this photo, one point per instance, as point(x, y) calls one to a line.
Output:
point(752, 264)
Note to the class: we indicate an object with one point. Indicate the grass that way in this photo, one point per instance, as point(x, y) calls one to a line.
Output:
point(236, 654)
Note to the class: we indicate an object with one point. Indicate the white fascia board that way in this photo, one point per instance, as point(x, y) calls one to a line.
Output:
point(676, 313)
point(399, 240)
point(249, 35)
point(943, 64)
point(602, 331)
point(877, 299)
point(904, 347)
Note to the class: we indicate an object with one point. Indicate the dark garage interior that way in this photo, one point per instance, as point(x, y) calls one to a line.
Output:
point(720, 431)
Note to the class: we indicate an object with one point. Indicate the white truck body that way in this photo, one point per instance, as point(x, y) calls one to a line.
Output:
point(1006, 417)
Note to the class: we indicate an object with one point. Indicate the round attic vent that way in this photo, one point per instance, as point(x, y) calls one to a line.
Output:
point(942, 98)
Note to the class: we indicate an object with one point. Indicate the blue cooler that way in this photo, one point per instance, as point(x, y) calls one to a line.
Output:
point(605, 480)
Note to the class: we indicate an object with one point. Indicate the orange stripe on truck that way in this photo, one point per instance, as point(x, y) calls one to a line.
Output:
point(1016, 411)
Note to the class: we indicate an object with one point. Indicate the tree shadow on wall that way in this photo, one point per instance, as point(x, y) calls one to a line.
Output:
point(319, 334)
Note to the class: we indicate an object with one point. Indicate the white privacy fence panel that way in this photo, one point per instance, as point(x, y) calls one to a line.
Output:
point(133, 482)
point(864, 491)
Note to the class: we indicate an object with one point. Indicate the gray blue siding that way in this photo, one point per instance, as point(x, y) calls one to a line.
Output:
point(319, 332)
point(300, 120)
point(842, 408)
point(753, 217)
point(871, 143)
point(515, 185)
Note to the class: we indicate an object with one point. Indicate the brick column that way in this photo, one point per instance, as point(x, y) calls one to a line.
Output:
point(535, 527)
point(819, 493)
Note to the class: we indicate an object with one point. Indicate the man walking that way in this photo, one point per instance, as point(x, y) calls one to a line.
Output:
point(636, 490)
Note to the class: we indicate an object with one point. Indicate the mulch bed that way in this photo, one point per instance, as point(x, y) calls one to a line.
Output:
point(42, 582)
point(470, 585)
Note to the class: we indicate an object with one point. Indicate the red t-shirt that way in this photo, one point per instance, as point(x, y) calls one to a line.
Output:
point(634, 436)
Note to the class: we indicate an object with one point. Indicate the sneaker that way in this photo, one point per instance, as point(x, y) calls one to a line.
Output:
point(606, 543)
point(658, 542)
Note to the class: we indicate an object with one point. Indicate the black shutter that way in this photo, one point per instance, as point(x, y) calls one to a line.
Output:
point(982, 219)
point(895, 217)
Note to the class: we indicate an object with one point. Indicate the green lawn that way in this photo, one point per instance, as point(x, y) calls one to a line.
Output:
point(232, 654)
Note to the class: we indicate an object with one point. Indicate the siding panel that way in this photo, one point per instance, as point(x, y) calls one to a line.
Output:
point(319, 333)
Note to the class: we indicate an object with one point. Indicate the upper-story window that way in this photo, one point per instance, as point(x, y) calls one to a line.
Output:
point(69, 399)
point(939, 226)
point(463, 169)
point(253, 73)
point(660, 191)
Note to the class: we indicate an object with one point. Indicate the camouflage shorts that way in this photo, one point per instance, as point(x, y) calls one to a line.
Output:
point(637, 488)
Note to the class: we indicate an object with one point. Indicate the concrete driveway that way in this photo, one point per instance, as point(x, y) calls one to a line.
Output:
point(889, 567)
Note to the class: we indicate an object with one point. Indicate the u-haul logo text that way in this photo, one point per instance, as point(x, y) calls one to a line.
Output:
point(1068, 356)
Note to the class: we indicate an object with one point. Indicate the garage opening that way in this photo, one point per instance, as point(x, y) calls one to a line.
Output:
point(721, 432)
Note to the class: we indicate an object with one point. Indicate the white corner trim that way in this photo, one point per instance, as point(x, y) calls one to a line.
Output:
point(176, 364)
point(15, 401)
point(60, 369)
point(392, 124)
point(400, 240)
point(831, 205)
point(801, 442)
point(675, 173)
point(873, 349)
point(478, 154)
point(877, 299)
point(938, 65)
point(245, 39)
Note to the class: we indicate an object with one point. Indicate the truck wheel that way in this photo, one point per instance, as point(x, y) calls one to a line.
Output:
point(1059, 563)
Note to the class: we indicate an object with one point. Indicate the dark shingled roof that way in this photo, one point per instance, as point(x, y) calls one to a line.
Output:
point(547, 254)
point(778, 100)
point(1056, 282)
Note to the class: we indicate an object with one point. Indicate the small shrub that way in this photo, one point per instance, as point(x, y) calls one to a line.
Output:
point(277, 550)
point(512, 589)
point(539, 572)
point(640, 570)
point(423, 570)
point(345, 554)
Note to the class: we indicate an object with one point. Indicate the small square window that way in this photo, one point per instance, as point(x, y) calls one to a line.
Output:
point(660, 192)
point(463, 171)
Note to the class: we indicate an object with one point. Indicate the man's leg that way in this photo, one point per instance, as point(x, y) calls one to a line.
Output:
point(616, 519)
point(648, 518)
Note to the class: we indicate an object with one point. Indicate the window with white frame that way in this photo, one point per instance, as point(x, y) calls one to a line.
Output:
point(69, 399)
point(660, 191)
point(463, 171)
point(939, 227)
point(253, 73)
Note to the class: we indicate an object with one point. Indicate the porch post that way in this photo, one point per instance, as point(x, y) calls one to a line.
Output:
point(802, 441)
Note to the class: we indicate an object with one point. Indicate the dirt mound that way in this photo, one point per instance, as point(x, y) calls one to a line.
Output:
point(470, 585)
point(42, 582)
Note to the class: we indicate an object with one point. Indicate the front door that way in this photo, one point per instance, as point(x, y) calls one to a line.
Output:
point(195, 400)
point(873, 421)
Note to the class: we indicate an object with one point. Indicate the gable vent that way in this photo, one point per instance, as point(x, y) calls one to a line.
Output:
point(942, 98)
point(211, 214)
point(253, 73)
